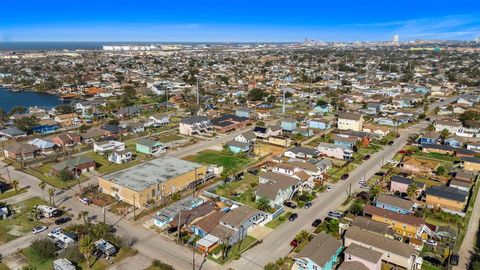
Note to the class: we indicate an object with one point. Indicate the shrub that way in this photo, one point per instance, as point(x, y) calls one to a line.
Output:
point(72, 253)
point(162, 266)
point(44, 248)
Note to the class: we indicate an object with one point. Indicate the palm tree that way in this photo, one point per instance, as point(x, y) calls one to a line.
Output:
point(15, 184)
point(86, 247)
point(51, 193)
point(263, 203)
point(42, 186)
point(84, 215)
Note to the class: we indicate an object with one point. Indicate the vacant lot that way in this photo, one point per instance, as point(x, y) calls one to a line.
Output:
point(21, 222)
point(231, 163)
point(44, 173)
point(104, 166)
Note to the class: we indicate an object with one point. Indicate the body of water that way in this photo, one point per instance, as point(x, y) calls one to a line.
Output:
point(9, 99)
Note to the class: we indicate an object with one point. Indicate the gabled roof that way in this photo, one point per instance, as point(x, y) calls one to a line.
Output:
point(407, 219)
point(350, 116)
point(371, 225)
point(304, 150)
point(380, 242)
point(12, 132)
point(237, 216)
point(148, 142)
point(367, 254)
point(447, 193)
point(320, 249)
point(394, 201)
point(72, 162)
point(194, 119)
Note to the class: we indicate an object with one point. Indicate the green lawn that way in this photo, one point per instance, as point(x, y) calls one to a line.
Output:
point(235, 251)
point(11, 193)
point(437, 156)
point(231, 163)
point(166, 138)
point(241, 191)
point(277, 221)
point(44, 173)
point(104, 166)
point(40, 263)
point(20, 224)
point(427, 266)
point(3, 266)
point(336, 173)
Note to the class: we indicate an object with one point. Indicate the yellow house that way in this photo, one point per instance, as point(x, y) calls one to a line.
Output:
point(152, 180)
point(448, 199)
point(471, 164)
point(404, 225)
point(350, 121)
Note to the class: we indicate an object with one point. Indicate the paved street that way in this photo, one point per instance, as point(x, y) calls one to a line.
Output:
point(278, 242)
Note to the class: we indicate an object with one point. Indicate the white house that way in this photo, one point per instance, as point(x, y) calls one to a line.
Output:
point(158, 120)
point(335, 151)
point(108, 146)
point(452, 126)
point(119, 157)
point(247, 137)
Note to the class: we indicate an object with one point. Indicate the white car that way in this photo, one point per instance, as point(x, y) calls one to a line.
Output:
point(39, 229)
point(329, 188)
point(431, 242)
point(86, 201)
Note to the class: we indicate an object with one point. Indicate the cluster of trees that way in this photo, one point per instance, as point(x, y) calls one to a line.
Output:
point(257, 95)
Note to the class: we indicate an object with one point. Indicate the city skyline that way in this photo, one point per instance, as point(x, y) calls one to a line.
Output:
point(216, 21)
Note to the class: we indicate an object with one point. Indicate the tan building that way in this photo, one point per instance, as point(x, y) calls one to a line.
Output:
point(471, 164)
point(350, 121)
point(448, 199)
point(152, 180)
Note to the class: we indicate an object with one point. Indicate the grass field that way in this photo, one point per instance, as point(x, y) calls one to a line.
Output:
point(278, 220)
point(39, 262)
point(235, 251)
point(20, 224)
point(166, 138)
point(44, 173)
point(104, 166)
point(241, 191)
point(231, 163)
point(10, 193)
point(3, 266)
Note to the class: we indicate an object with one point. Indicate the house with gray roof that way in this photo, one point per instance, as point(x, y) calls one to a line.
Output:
point(320, 253)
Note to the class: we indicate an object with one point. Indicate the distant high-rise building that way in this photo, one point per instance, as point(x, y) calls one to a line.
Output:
point(477, 40)
point(396, 39)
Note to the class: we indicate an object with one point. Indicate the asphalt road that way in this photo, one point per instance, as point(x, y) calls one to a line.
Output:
point(277, 243)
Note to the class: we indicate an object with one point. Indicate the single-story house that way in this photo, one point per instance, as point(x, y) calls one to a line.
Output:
point(74, 165)
point(148, 146)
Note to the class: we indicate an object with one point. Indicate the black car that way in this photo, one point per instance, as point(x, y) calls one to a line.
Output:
point(316, 222)
point(366, 157)
point(390, 142)
point(454, 259)
point(345, 176)
point(62, 220)
point(172, 230)
point(293, 217)
point(290, 204)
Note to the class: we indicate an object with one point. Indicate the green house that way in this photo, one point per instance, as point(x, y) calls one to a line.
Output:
point(149, 147)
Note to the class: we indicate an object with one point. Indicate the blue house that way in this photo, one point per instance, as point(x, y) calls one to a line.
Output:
point(321, 253)
point(45, 129)
point(319, 123)
point(394, 204)
point(454, 141)
point(238, 147)
point(289, 124)
point(422, 90)
point(429, 138)
point(344, 141)
point(244, 112)
point(323, 109)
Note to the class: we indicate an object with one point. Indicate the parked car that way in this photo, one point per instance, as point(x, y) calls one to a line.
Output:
point(85, 200)
point(390, 142)
point(62, 220)
point(431, 242)
point(308, 205)
point(335, 214)
point(39, 229)
point(172, 230)
point(454, 259)
point(290, 204)
point(345, 176)
point(329, 188)
point(294, 243)
point(316, 222)
point(293, 217)
point(366, 157)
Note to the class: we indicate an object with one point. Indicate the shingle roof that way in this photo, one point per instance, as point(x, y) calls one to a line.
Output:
point(237, 216)
point(320, 249)
point(350, 116)
point(370, 255)
point(352, 265)
point(471, 159)
point(395, 201)
point(380, 242)
point(447, 193)
point(304, 150)
point(407, 219)
point(370, 225)
point(72, 162)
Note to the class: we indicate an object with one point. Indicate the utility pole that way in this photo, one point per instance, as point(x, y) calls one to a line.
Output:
point(198, 92)
point(194, 247)
point(178, 225)
point(104, 215)
point(283, 107)
point(134, 207)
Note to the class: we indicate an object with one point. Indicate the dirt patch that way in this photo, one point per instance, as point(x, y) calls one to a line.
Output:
point(15, 261)
point(15, 230)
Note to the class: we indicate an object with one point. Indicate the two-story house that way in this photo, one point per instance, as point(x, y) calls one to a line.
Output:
point(195, 125)
point(350, 121)
point(321, 253)
point(276, 187)
point(448, 199)
point(335, 151)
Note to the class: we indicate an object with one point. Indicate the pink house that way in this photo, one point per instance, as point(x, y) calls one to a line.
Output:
point(400, 184)
point(369, 258)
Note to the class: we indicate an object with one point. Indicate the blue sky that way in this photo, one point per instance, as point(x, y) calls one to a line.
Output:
point(237, 20)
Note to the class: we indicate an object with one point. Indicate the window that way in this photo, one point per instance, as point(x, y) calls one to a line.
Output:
point(388, 254)
point(349, 257)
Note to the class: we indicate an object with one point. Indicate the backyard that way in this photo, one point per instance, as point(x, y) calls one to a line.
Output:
point(231, 162)
point(234, 251)
point(44, 173)
point(104, 166)
point(241, 191)
point(21, 222)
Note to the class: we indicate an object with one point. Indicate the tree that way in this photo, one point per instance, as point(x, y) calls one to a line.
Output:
point(65, 175)
point(271, 99)
point(263, 203)
point(356, 208)
point(441, 170)
point(64, 109)
point(444, 133)
point(15, 184)
point(83, 128)
point(412, 190)
point(44, 248)
point(86, 247)
point(129, 95)
point(42, 186)
point(161, 265)
point(26, 123)
point(176, 196)
point(83, 215)
point(51, 193)
point(18, 109)
point(321, 102)
point(256, 95)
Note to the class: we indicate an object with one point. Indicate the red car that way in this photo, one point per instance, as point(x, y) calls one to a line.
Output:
point(294, 243)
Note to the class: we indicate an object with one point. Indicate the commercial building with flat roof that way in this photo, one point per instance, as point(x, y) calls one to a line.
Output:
point(151, 180)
